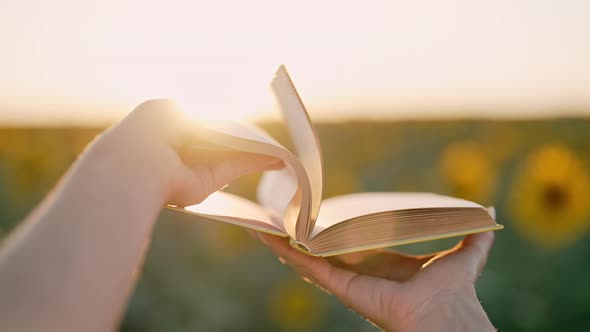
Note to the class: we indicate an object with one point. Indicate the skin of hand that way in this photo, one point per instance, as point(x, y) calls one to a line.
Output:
point(398, 292)
point(70, 266)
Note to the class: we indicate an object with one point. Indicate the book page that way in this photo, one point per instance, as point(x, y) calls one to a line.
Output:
point(276, 190)
point(236, 210)
point(304, 139)
point(245, 130)
point(345, 207)
point(248, 138)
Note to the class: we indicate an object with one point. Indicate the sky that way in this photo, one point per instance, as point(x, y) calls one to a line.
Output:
point(78, 61)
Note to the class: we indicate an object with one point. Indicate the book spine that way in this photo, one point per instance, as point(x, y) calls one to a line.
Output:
point(301, 247)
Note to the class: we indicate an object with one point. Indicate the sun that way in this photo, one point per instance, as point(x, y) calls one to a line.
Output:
point(225, 93)
point(216, 111)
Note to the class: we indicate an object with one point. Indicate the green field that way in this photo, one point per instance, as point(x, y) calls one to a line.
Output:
point(207, 276)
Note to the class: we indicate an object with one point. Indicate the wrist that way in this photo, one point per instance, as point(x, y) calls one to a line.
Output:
point(456, 311)
point(132, 170)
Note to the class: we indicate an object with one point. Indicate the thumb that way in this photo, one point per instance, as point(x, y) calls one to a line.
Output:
point(195, 181)
point(472, 253)
point(478, 246)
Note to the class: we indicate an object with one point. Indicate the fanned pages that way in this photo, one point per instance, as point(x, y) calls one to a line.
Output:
point(276, 191)
point(234, 137)
point(290, 199)
point(239, 211)
point(304, 139)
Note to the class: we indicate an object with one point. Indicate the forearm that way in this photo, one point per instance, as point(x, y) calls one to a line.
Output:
point(71, 265)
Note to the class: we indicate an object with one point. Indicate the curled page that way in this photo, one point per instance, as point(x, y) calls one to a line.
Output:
point(305, 140)
point(248, 138)
point(276, 192)
point(238, 211)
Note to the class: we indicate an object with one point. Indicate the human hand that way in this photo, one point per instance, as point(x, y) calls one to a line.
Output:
point(159, 146)
point(399, 292)
point(72, 266)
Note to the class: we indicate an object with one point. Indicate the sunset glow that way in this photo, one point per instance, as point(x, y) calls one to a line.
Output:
point(82, 61)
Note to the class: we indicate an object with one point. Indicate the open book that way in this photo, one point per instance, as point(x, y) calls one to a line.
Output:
point(290, 200)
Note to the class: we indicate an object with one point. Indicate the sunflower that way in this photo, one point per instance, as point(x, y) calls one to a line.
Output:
point(550, 201)
point(295, 306)
point(468, 171)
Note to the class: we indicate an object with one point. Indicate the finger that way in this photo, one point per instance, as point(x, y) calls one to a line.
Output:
point(365, 294)
point(492, 212)
point(246, 162)
point(386, 264)
point(472, 253)
point(478, 246)
point(203, 172)
point(161, 117)
point(191, 185)
point(167, 118)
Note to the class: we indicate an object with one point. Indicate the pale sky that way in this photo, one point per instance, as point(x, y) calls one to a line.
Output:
point(85, 61)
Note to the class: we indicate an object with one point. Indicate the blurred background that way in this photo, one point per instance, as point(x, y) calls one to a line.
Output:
point(484, 100)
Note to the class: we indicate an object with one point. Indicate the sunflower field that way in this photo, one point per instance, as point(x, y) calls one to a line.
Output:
point(208, 276)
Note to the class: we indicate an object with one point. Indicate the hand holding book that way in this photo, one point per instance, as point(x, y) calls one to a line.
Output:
point(102, 212)
point(399, 292)
point(290, 199)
